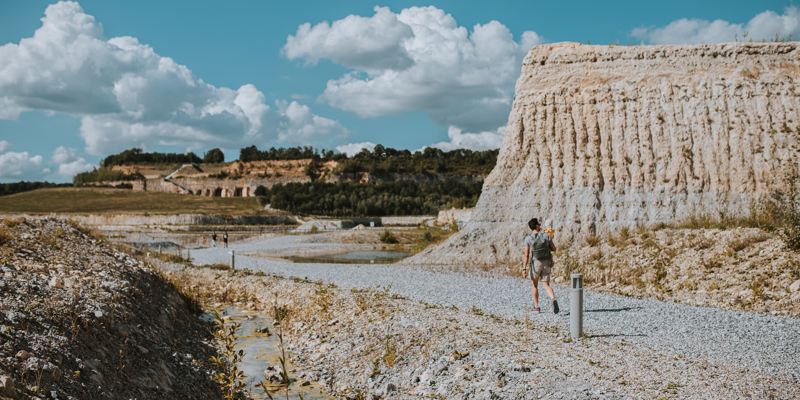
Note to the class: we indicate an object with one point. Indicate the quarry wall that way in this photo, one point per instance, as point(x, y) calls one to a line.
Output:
point(601, 137)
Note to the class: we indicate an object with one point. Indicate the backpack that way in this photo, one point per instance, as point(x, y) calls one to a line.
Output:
point(540, 246)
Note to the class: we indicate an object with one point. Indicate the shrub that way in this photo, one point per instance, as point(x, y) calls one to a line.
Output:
point(5, 237)
point(388, 238)
point(10, 222)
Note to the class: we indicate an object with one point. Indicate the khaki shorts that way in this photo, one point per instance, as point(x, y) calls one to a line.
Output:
point(540, 270)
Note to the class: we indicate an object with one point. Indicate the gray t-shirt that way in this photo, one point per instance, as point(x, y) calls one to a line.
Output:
point(529, 241)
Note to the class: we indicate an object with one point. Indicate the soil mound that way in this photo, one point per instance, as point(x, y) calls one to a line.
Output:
point(80, 319)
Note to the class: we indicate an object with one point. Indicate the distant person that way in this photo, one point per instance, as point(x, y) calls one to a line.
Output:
point(539, 250)
point(214, 239)
point(225, 239)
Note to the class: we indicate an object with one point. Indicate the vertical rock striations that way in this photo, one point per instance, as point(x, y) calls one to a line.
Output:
point(601, 137)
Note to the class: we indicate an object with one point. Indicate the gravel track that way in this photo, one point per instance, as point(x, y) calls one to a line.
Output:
point(746, 340)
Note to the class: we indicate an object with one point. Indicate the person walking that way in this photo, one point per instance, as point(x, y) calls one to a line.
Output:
point(225, 239)
point(539, 250)
point(214, 239)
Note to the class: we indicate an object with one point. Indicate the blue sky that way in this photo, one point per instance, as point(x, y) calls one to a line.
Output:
point(176, 76)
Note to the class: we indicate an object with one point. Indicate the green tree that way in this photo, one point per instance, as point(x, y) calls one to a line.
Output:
point(214, 156)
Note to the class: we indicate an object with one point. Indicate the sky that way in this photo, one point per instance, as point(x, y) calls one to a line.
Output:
point(82, 80)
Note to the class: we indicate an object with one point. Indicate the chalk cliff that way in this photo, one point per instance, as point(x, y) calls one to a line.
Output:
point(601, 137)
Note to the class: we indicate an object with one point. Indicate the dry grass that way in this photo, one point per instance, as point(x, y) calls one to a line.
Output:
point(5, 236)
point(94, 200)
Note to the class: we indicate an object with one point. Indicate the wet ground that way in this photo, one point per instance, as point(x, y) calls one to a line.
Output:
point(261, 351)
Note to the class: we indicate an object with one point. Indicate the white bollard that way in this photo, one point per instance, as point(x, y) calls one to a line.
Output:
point(233, 261)
point(576, 306)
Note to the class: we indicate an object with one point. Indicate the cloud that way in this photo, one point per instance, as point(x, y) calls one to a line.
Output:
point(301, 125)
point(419, 59)
point(764, 26)
point(69, 164)
point(352, 149)
point(21, 165)
point(127, 95)
point(5, 146)
point(473, 141)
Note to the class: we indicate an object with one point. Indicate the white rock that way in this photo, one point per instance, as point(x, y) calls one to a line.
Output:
point(426, 376)
point(7, 388)
point(795, 286)
point(55, 282)
point(591, 137)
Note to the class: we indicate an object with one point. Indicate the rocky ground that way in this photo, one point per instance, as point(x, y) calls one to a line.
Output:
point(738, 269)
point(372, 344)
point(81, 319)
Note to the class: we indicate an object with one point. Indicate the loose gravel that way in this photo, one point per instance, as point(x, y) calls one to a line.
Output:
point(746, 340)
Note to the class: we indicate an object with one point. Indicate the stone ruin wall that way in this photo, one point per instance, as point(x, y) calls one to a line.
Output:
point(246, 186)
point(601, 137)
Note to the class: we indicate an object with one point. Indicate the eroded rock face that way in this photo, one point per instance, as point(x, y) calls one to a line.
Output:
point(601, 137)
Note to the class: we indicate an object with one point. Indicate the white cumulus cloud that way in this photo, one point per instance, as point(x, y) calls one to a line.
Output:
point(418, 59)
point(764, 26)
point(5, 146)
point(69, 164)
point(352, 149)
point(489, 140)
point(127, 95)
point(21, 165)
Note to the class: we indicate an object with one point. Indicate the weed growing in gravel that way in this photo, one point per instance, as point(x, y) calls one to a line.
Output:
point(743, 243)
point(5, 237)
point(323, 298)
point(216, 267)
point(390, 354)
point(228, 376)
point(11, 222)
point(370, 298)
point(171, 258)
point(281, 314)
point(592, 240)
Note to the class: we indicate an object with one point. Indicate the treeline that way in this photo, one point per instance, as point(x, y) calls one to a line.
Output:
point(349, 199)
point(252, 153)
point(383, 160)
point(136, 156)
point(24, 186)
point(104, 175)
point(431, 160)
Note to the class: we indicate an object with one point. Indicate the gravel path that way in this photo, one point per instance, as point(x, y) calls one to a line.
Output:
point(746, 340)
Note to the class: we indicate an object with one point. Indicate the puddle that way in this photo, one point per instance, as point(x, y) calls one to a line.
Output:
point(355, 257)
point(262, 351)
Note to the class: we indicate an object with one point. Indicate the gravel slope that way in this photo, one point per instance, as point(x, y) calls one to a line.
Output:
point(745, 340)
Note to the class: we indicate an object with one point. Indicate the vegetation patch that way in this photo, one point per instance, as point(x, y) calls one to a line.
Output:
point(349, 199)
point(97, 201)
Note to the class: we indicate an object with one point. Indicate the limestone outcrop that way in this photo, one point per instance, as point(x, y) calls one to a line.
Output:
point(601, 137)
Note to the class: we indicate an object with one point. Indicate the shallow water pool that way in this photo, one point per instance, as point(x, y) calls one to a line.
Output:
point(261, 351)
point(355, 257)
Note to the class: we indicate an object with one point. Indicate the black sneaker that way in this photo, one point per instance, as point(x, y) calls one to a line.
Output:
point(555, 306)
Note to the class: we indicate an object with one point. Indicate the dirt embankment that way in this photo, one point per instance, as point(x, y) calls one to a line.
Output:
point(737, 269)
point(80, 319)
